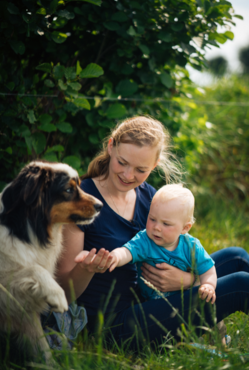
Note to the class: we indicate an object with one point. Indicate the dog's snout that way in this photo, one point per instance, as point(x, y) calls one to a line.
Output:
point(98, 206)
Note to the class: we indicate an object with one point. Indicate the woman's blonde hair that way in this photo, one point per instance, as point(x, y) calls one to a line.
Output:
point(140, 131)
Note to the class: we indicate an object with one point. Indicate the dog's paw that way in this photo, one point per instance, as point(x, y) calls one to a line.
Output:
point(56, 299)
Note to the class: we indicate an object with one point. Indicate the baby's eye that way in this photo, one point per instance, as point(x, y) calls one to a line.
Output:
point(140, 171)
point(165, 224)
point(152, 219)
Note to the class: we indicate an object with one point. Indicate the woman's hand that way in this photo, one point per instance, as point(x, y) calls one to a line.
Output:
point(166, 278)
point(92, 262)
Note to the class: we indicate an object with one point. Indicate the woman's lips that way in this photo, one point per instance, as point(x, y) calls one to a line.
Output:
point(125, 183)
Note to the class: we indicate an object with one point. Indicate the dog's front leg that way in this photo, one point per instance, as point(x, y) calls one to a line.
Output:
point(37, 284)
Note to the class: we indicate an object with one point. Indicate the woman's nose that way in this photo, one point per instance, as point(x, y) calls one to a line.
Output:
point(129, 173)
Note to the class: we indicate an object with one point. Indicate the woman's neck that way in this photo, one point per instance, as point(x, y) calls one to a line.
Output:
point(123, 203)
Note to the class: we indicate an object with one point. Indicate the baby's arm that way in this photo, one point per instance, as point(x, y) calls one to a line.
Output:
point(208, 285)
point(120, 256)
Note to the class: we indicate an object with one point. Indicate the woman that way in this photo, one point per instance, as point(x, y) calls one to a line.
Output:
point(117, 177)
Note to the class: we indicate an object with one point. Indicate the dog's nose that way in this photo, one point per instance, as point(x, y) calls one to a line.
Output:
point(98, 206)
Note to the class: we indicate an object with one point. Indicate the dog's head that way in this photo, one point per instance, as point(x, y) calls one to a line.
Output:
point(43, 194)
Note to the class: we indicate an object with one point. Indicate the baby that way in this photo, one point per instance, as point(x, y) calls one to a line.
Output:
point(166, 239)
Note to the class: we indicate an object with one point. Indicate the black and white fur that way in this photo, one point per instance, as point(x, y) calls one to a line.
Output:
point(33, 208)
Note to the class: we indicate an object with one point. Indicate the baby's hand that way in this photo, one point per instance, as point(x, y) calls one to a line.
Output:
point(207, 291)
point(115, 260)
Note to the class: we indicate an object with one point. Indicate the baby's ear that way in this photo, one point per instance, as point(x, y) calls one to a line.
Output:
point(186, 228)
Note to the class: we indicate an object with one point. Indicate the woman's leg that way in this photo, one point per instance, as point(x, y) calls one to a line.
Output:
point(230, 260)
point(232, 295)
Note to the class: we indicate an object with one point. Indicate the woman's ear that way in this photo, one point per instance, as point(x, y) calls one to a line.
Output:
point(110, 146)
point(156, 164)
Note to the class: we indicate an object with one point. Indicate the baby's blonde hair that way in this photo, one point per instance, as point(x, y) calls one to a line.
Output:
point(177, 191)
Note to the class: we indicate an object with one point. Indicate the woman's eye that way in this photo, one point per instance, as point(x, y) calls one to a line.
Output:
point(122, 164)
point(140, 171)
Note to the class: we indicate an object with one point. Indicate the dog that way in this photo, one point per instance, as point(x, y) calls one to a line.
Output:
point(33, 209)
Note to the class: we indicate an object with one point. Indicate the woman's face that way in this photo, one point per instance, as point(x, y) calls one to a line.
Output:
point(130, 165)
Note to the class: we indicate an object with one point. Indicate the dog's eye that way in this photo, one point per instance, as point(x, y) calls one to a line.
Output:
point(69, 190)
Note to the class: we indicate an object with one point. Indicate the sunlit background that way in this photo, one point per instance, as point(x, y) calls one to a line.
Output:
point(230, 49)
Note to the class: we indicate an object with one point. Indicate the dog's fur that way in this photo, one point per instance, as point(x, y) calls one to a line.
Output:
point(33, 208)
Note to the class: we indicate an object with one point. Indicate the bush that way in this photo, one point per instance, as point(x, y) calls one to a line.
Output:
point(70, 70)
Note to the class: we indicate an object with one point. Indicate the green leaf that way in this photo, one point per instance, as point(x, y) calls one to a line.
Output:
point(52, 6)
point(229, 35)
point(24, 131)
point(177, 26)
point(95, 2)
point(58, 37)
point(49, 83)
point(46, 67)
point(93, 138)
point(165, 36)
point(38, 142)
point(166, 79)
point(9, 150)
point(106, 123)
point(78, 68)
point(75, 85)
point(12, 9)
point(10, 85)
point(131, 31)
point(90, 119)
point(119, 17)
point(239, 16)
point(126, 88)
point(59, 72)
point(116, 110)
point(64, 127)
point(65, 14)
point(41, 11)
point(17, 46)
point(91, 71)
point(47, 127)
point(51, 157)
point(82, 102)
point(62, 85)
point(144, 49)
point(72, 161)
point(112, 26)
point(31, 116)
point(45, 118)
point(28, 141)
point(55, 148)
point(70, 73)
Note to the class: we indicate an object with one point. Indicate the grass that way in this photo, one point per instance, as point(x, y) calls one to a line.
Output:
point(218, 226)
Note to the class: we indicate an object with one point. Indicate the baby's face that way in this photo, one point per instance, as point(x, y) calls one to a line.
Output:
point(166, 221)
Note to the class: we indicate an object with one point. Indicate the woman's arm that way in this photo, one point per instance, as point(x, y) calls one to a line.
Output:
point(167, 278)
point(82, 271)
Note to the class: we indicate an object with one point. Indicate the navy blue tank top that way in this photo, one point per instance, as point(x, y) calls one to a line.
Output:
point(110, 231)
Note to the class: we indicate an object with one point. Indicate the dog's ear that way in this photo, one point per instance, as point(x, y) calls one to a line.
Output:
point(36, 181)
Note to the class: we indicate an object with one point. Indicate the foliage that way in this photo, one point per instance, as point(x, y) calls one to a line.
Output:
point(71, 69)
point(220, 125)
point(244, 59)
point(218, 66)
